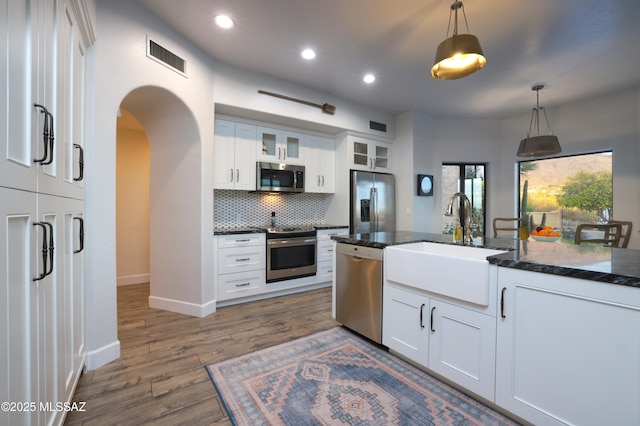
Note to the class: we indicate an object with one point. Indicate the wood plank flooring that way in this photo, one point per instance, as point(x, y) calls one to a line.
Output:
point(160, 376)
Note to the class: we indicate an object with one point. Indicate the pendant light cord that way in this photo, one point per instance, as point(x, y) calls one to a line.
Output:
point(454, 9)
point(535, 116)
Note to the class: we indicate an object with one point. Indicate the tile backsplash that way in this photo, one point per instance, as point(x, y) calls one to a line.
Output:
point(234, 209)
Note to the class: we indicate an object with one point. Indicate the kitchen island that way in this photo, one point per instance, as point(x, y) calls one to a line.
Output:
point(614, 266)
point(558, 342)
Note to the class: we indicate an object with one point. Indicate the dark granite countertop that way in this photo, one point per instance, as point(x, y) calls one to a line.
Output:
point(614, 266)
point(238, 230)
point(246, 229)
point(324, 226)
point(384, 239)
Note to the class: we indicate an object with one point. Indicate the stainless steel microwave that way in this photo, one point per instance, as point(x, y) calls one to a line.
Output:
point(277, 177)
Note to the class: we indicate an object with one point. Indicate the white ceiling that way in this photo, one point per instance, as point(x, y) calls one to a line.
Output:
point(577, 48)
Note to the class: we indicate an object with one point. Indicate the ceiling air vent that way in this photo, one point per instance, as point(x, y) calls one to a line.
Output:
point(381, 127)
point(165, 57)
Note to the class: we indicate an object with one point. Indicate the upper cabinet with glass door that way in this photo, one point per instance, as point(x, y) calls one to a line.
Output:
point(366, 154)
point(280, 146)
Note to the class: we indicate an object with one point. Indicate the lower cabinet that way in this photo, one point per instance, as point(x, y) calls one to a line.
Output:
point(568, 350)
point(453, 341)
point(42, 323)
point(240, 264)
point(325, 253)
point(462, 347)
point(559, 351)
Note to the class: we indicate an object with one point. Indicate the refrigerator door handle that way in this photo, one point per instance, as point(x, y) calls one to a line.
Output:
point(373, 196)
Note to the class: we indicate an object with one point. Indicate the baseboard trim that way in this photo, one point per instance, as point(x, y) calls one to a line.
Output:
point(182, 307)
point(104, 355)
point(133, 279)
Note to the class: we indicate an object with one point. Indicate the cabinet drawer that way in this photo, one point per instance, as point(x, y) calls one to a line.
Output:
point(240, 240)
point(324, 272)
point(232, 286)
point(241, 259)
point(326, 250)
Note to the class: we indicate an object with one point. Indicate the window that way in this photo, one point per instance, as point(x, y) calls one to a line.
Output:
point(566, 191)
point(470, 180)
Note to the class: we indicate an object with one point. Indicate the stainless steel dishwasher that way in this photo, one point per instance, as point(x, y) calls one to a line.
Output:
point(359, 289)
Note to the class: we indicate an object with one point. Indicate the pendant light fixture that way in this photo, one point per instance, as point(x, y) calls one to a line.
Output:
point(459, 55)
point(538, 145)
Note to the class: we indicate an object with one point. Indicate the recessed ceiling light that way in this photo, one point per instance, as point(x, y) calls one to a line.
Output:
point(369, 78)
point(223, 21)
point(308, 54)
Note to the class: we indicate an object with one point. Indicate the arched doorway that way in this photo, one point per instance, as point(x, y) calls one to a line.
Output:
point(176, 233)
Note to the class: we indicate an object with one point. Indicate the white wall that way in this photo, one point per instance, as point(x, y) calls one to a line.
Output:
point(607, 122)
point(119, 66)
point(439, 140)
point(239, 88)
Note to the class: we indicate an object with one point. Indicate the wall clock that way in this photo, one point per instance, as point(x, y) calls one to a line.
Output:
point(425, 185)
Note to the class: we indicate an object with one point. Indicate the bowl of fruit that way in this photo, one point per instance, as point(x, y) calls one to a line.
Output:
point(546, 234)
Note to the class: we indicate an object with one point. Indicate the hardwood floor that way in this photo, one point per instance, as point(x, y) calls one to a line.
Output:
point(160, 376)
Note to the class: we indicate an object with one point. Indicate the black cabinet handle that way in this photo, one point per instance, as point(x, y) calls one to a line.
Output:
point(432, 309)
point(80, 162)
point(47, 250)
point(80, 233)
point(502, 303)
point(47, 136)
point(50, 160)
point(421, 311)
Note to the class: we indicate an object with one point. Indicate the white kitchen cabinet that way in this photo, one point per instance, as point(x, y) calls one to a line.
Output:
point(41, 203)
point(42, 108)
point(366, 154)
point(568, 350)
point(70, 104)
point(240, 265)
point(19, 255)
point(17, 146)
point(453, 341)
point(405, 323)
point(320, 172)
point(326, 253)
point(462, 347)
point(235, 155)
point(42, 329)
point(280, 146)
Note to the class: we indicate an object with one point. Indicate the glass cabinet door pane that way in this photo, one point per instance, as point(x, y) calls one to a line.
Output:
point(293, 147)
point(360, 148)
point(382, 156)
point(268, 144)
point(360, 154)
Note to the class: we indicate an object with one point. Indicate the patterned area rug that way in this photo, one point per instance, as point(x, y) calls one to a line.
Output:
point(336, 378)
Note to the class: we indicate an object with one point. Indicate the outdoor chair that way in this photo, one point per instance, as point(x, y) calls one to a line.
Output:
point(595, 233)
point(626, 232)
point(506, 224)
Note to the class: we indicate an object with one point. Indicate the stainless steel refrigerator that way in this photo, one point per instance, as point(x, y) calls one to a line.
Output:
point(372, 202)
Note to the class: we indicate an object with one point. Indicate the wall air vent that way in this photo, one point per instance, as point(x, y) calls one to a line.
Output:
point(165, 57)
point(381, 127)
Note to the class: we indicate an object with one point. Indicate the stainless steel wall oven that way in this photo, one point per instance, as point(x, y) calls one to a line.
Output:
point(291, 253)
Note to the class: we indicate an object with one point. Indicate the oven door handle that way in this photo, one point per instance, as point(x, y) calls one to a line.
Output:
point(291, 241)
